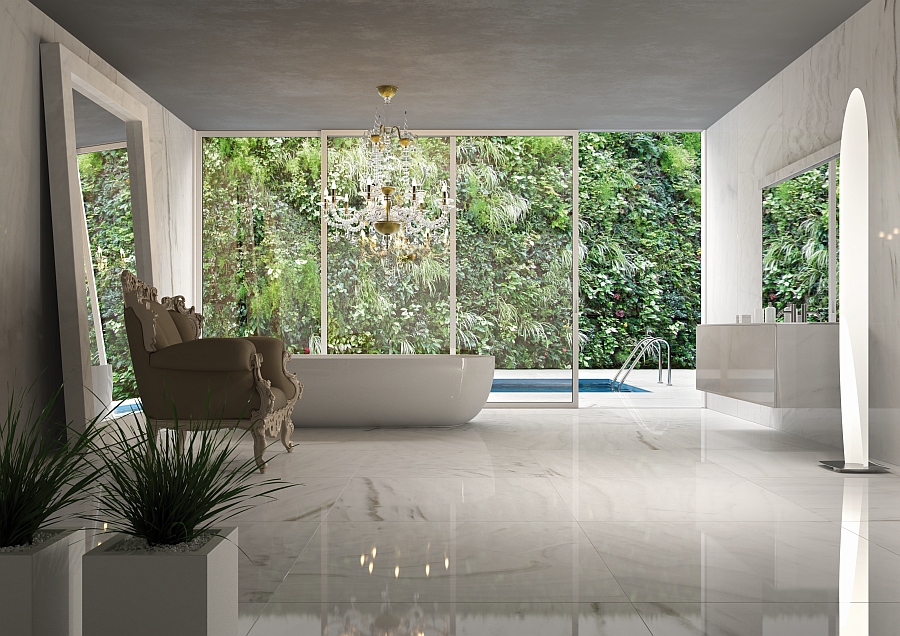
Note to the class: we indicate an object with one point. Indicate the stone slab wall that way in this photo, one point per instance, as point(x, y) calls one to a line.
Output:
point(29, 326)
point(797, 113)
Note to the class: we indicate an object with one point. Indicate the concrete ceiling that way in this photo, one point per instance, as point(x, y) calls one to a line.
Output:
point(463, 64)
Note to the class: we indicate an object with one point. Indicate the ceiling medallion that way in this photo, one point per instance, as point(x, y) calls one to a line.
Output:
point(397, 216)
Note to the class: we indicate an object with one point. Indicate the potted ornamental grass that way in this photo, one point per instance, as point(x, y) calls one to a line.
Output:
point(170, 565)
point(41, 479)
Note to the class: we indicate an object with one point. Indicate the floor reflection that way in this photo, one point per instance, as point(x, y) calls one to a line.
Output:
point(854, 573)
point(623, 521)
point(412, 619)
point(399, 619)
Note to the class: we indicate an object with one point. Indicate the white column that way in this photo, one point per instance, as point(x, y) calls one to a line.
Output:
point(832, 240)
point(576, 263)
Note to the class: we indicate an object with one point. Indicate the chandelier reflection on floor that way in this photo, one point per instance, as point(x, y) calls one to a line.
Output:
point(399, 216)
point(413, 622)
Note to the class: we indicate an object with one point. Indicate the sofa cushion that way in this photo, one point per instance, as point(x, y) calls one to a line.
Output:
point(187, 328)
point(166, 331)
point(206, 354)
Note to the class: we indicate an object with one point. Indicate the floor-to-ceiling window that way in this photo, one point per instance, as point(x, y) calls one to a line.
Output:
point(261, 238)
point(383, 301)
point(500, 280)
point(514, 262)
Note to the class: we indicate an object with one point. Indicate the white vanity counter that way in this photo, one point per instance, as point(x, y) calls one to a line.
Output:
point(781, 365)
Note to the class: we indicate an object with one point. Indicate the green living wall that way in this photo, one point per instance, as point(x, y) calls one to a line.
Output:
point(640, 270)
point(640, 239)
point(107, 205)
point(639, 226)
point(795, 243)
point(261, 238)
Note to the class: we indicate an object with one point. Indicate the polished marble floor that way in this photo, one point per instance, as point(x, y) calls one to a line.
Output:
point(597, 521)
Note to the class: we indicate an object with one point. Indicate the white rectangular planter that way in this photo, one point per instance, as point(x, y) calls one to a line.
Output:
point(40, 588)
point(162, 593)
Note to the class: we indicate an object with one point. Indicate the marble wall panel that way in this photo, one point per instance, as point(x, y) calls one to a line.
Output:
point(863, 52)
point(29, 327)
point(761, 129)
point(808, 102)
point(739, 408)
point(883, 102)
point(760, 138)
point(29, 339)
point(748, 291)
point(720, 222)
point(820, 425)
point(171, 156)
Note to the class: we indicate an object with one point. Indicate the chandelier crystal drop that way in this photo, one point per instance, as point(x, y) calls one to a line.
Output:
point(397, 215)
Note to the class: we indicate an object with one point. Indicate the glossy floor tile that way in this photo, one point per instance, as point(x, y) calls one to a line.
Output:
point(449, 499)
point(621, 519)
point(682, 499)
point(464, 619)
point(526, 562)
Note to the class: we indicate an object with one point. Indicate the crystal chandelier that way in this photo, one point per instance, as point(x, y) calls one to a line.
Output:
point(399, 216)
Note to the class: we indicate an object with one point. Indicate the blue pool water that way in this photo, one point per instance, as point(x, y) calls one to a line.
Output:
point(126, 407)
point(554, 385)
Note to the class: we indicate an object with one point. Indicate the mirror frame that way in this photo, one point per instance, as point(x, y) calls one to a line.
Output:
point(62, 72)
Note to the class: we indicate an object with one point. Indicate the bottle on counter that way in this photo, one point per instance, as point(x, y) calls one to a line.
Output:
point(769, 314)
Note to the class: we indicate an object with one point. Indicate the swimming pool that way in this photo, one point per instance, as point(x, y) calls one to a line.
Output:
point(558, 385)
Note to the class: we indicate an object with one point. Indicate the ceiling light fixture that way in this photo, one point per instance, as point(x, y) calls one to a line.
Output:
point(398, 215)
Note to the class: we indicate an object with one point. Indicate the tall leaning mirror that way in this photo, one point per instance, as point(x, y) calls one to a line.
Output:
point(85, 112)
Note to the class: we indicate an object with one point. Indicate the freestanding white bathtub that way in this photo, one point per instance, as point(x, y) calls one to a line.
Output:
point(390, 390)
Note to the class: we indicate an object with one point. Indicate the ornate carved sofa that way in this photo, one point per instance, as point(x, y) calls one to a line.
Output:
point(187, 380)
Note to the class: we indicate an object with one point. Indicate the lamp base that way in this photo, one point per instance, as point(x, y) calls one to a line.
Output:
point(859, 469)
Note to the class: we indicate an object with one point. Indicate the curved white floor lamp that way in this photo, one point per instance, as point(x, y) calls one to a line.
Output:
point(853, 248)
